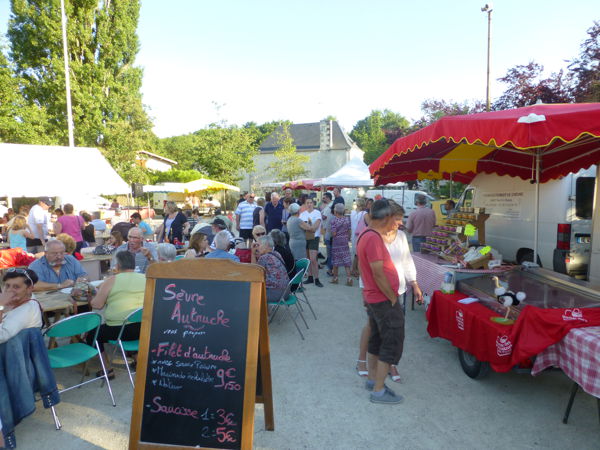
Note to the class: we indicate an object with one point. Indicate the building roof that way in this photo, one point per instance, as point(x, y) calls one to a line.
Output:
point(155, 156)
point(307, 137)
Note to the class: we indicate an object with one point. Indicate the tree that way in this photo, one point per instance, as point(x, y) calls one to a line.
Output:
point(288, 164)
point(434, 110)
point(526, 86)
point(20, 123)
point(175, 176)
point(105, 85)
point(586, 68)
point(376, 132)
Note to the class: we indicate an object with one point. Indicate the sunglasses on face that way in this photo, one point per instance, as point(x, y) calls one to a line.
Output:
point(260, 234)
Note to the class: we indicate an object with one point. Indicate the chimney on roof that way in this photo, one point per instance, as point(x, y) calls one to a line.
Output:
point(326, 134)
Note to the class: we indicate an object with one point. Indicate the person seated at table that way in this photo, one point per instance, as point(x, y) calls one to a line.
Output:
point(88, 230)
point(70, 245)
point(19, 232)
point(115, 241)
point(219, 215)
point(144, 252)
point(99, 224)
point(56, 269)
point(258, 231)
point(283, 249)
point(166, 252)
point(136, 219)
point(264, 254)
point(218, 225)
point(222, 243)
point(198, 246)
point(121, 294)
point(18, 310)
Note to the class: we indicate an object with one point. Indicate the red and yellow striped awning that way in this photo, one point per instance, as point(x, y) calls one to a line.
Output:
point(565, 138)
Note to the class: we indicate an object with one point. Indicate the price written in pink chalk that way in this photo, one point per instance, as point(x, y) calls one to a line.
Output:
point(227, 380)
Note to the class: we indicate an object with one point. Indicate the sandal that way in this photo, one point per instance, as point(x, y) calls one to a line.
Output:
point(334, 280)
point(394, 374)
point(110, 373)
point(349, 282)
point(361, 373)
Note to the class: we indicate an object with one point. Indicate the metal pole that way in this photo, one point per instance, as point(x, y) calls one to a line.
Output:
point(488, 9)
point(537, 206)
point(67, 75)
point(594, 264)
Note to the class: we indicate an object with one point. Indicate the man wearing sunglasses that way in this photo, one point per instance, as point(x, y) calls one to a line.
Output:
point(56, 269)
point(244, 217)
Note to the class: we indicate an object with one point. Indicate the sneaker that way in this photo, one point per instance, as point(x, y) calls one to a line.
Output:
point(389, 397)
point(318, 283)
point(309, 280)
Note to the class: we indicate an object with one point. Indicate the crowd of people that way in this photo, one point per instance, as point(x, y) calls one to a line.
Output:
point(276, 231)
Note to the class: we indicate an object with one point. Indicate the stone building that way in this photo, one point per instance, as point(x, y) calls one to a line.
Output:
point(325, 143)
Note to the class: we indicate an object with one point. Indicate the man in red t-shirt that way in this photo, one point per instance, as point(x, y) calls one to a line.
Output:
point(380, 293)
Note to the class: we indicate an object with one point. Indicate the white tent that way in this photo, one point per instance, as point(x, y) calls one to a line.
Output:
point(36, 170)
point(355, 173)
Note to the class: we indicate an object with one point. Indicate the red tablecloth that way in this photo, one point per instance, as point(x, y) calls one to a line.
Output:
point(15, 257)
point(469, 327)
point(578, 355)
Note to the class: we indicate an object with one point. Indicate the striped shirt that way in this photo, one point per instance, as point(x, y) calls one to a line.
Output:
point(245, 210)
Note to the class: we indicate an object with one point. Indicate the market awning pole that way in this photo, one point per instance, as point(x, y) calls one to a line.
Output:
point(594, 264)
point(537, 206)
point(67, 74)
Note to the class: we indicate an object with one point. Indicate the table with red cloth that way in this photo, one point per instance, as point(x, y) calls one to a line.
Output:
point(578, 355)
point(469, 328)
point(430, 272)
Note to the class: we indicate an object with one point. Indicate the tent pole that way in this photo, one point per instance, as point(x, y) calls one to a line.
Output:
point(537, 206)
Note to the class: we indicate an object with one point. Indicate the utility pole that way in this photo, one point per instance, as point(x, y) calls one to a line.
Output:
point(488, 8)
point(67, 75)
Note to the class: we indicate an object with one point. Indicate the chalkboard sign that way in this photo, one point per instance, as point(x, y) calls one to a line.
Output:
point(197, 368)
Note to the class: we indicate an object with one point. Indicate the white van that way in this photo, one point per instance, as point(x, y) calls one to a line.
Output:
point(404, 197)
point(565, 213)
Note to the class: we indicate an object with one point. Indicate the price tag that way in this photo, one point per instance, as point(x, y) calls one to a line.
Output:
point(459, 230)
point(485, 250)
point(470, 230)
point(476, 211)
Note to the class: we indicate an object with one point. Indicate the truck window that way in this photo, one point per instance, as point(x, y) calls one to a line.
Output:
point(584, 197)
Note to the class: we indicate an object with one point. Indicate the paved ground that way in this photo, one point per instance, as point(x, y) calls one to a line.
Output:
point(320, 402)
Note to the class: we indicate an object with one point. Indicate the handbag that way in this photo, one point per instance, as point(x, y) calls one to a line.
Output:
point(245, 254)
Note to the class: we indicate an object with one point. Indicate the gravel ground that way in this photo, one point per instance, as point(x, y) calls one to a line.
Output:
point(321, 403)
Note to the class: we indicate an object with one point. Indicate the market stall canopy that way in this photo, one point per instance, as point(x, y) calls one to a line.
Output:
point(355, 173)
point(561, 138)
point(57, 171)
point(308, 184)
point(204, 184)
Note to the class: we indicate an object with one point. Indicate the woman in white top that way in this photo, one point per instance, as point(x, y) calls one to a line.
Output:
point(397, 246)
point(18, 310)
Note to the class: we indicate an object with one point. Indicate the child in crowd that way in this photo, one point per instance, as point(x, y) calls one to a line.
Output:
point(18, 232)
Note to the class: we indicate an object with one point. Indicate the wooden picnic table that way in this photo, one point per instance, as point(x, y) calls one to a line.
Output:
point(58, 305)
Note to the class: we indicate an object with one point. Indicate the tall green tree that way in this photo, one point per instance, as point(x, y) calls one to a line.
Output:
point(435, 109)
point(376, 132)
point(105, 84)
point(288, 164)
point(20, 122)
point(586, 68)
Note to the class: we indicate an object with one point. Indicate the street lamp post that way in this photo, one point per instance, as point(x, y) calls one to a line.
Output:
point(67, 75)
point(488, 8)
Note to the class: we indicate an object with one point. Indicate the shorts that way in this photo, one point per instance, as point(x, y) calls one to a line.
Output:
point(312, 244)
point(246, 234)
point(387, 331)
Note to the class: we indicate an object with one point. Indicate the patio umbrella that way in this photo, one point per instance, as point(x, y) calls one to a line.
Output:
point(540, 142)
point(204, 184)
point(306, 184)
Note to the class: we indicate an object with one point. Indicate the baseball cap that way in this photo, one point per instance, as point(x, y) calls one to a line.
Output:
point(47, 200)
point(219, 222)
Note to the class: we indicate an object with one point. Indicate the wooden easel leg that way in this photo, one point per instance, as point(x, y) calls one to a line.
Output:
point(265, 368)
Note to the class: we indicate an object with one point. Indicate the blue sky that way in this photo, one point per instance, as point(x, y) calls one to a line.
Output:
point(266, 60)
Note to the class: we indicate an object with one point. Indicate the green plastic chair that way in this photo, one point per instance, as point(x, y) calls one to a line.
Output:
point(77, 353)
point(128, 346)
point(303, 264)
point(288, 299)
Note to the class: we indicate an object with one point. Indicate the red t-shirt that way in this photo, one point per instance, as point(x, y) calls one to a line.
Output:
point(371, 248)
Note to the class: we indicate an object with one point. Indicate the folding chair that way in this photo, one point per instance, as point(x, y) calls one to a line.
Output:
point(288, 299)
point(128, 346)
point(303, 264)
point(78, 353)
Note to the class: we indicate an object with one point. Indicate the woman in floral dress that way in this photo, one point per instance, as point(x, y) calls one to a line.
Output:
point(340, 234)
